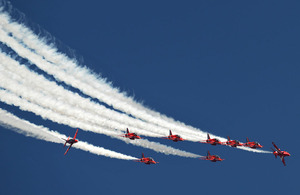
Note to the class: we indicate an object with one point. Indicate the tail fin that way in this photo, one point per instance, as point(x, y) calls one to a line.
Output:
point(208, 153)
point(143, 155)
point(228, 138)
point(127, 130)
point(66, 141)
point(208, 137)
point(170, 132)
point(247, 139)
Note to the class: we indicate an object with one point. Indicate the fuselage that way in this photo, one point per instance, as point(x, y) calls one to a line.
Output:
point(281, 153)
point(253, 145)
point(132, 136)
point(213, 142)
point(214, 158)
point(148, 161)
point(233, 143)
point(72, 141)
point(175, 138)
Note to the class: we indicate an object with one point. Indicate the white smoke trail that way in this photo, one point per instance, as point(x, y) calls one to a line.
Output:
point(66, 70)
point(15, 100)
point(38, 82)
point(39, 132)
point(14, 84)
point(26, 53)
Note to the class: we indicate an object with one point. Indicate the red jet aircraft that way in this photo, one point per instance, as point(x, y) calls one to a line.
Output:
point(212, 158)
point(147, 160)
point(70, 141)
point(280, 153)
point(232, 143)
point(213, 141)
point(174, 138)
point(131, 136)
point(252, 144)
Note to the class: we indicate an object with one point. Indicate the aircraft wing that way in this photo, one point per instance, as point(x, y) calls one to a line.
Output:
point(275, 146)
point(75, 134)
point(283, 161)
point(68, 149)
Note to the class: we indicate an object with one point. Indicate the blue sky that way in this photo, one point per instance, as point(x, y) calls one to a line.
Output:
point(226, 67)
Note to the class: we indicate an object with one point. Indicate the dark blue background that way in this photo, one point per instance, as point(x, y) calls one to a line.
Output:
point(226, 67)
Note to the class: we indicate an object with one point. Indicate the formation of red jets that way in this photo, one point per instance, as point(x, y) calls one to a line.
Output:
point(176, 138)
point(232, 143)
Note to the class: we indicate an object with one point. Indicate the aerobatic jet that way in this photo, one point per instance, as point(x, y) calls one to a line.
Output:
point(252, 144)
point(212, 158)
point(174, 138)
point(131, 136)
point(232, 143)
point(212, 141)
point(146, 160)
point(70, 141)
point(280, 153)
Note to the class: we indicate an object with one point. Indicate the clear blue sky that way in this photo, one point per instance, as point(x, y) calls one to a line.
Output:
point(226, 67)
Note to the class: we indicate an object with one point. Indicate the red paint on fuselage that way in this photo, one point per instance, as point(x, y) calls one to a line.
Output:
point(174, 138)
point(131, 136)
point(146, 160)
point(232, 143)
point(280, 153)
point(212, 141)
point(212, 158)
point(253, 145)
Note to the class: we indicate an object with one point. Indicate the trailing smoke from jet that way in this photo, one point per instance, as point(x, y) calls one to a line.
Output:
point(24, 127)
point(33, 48)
